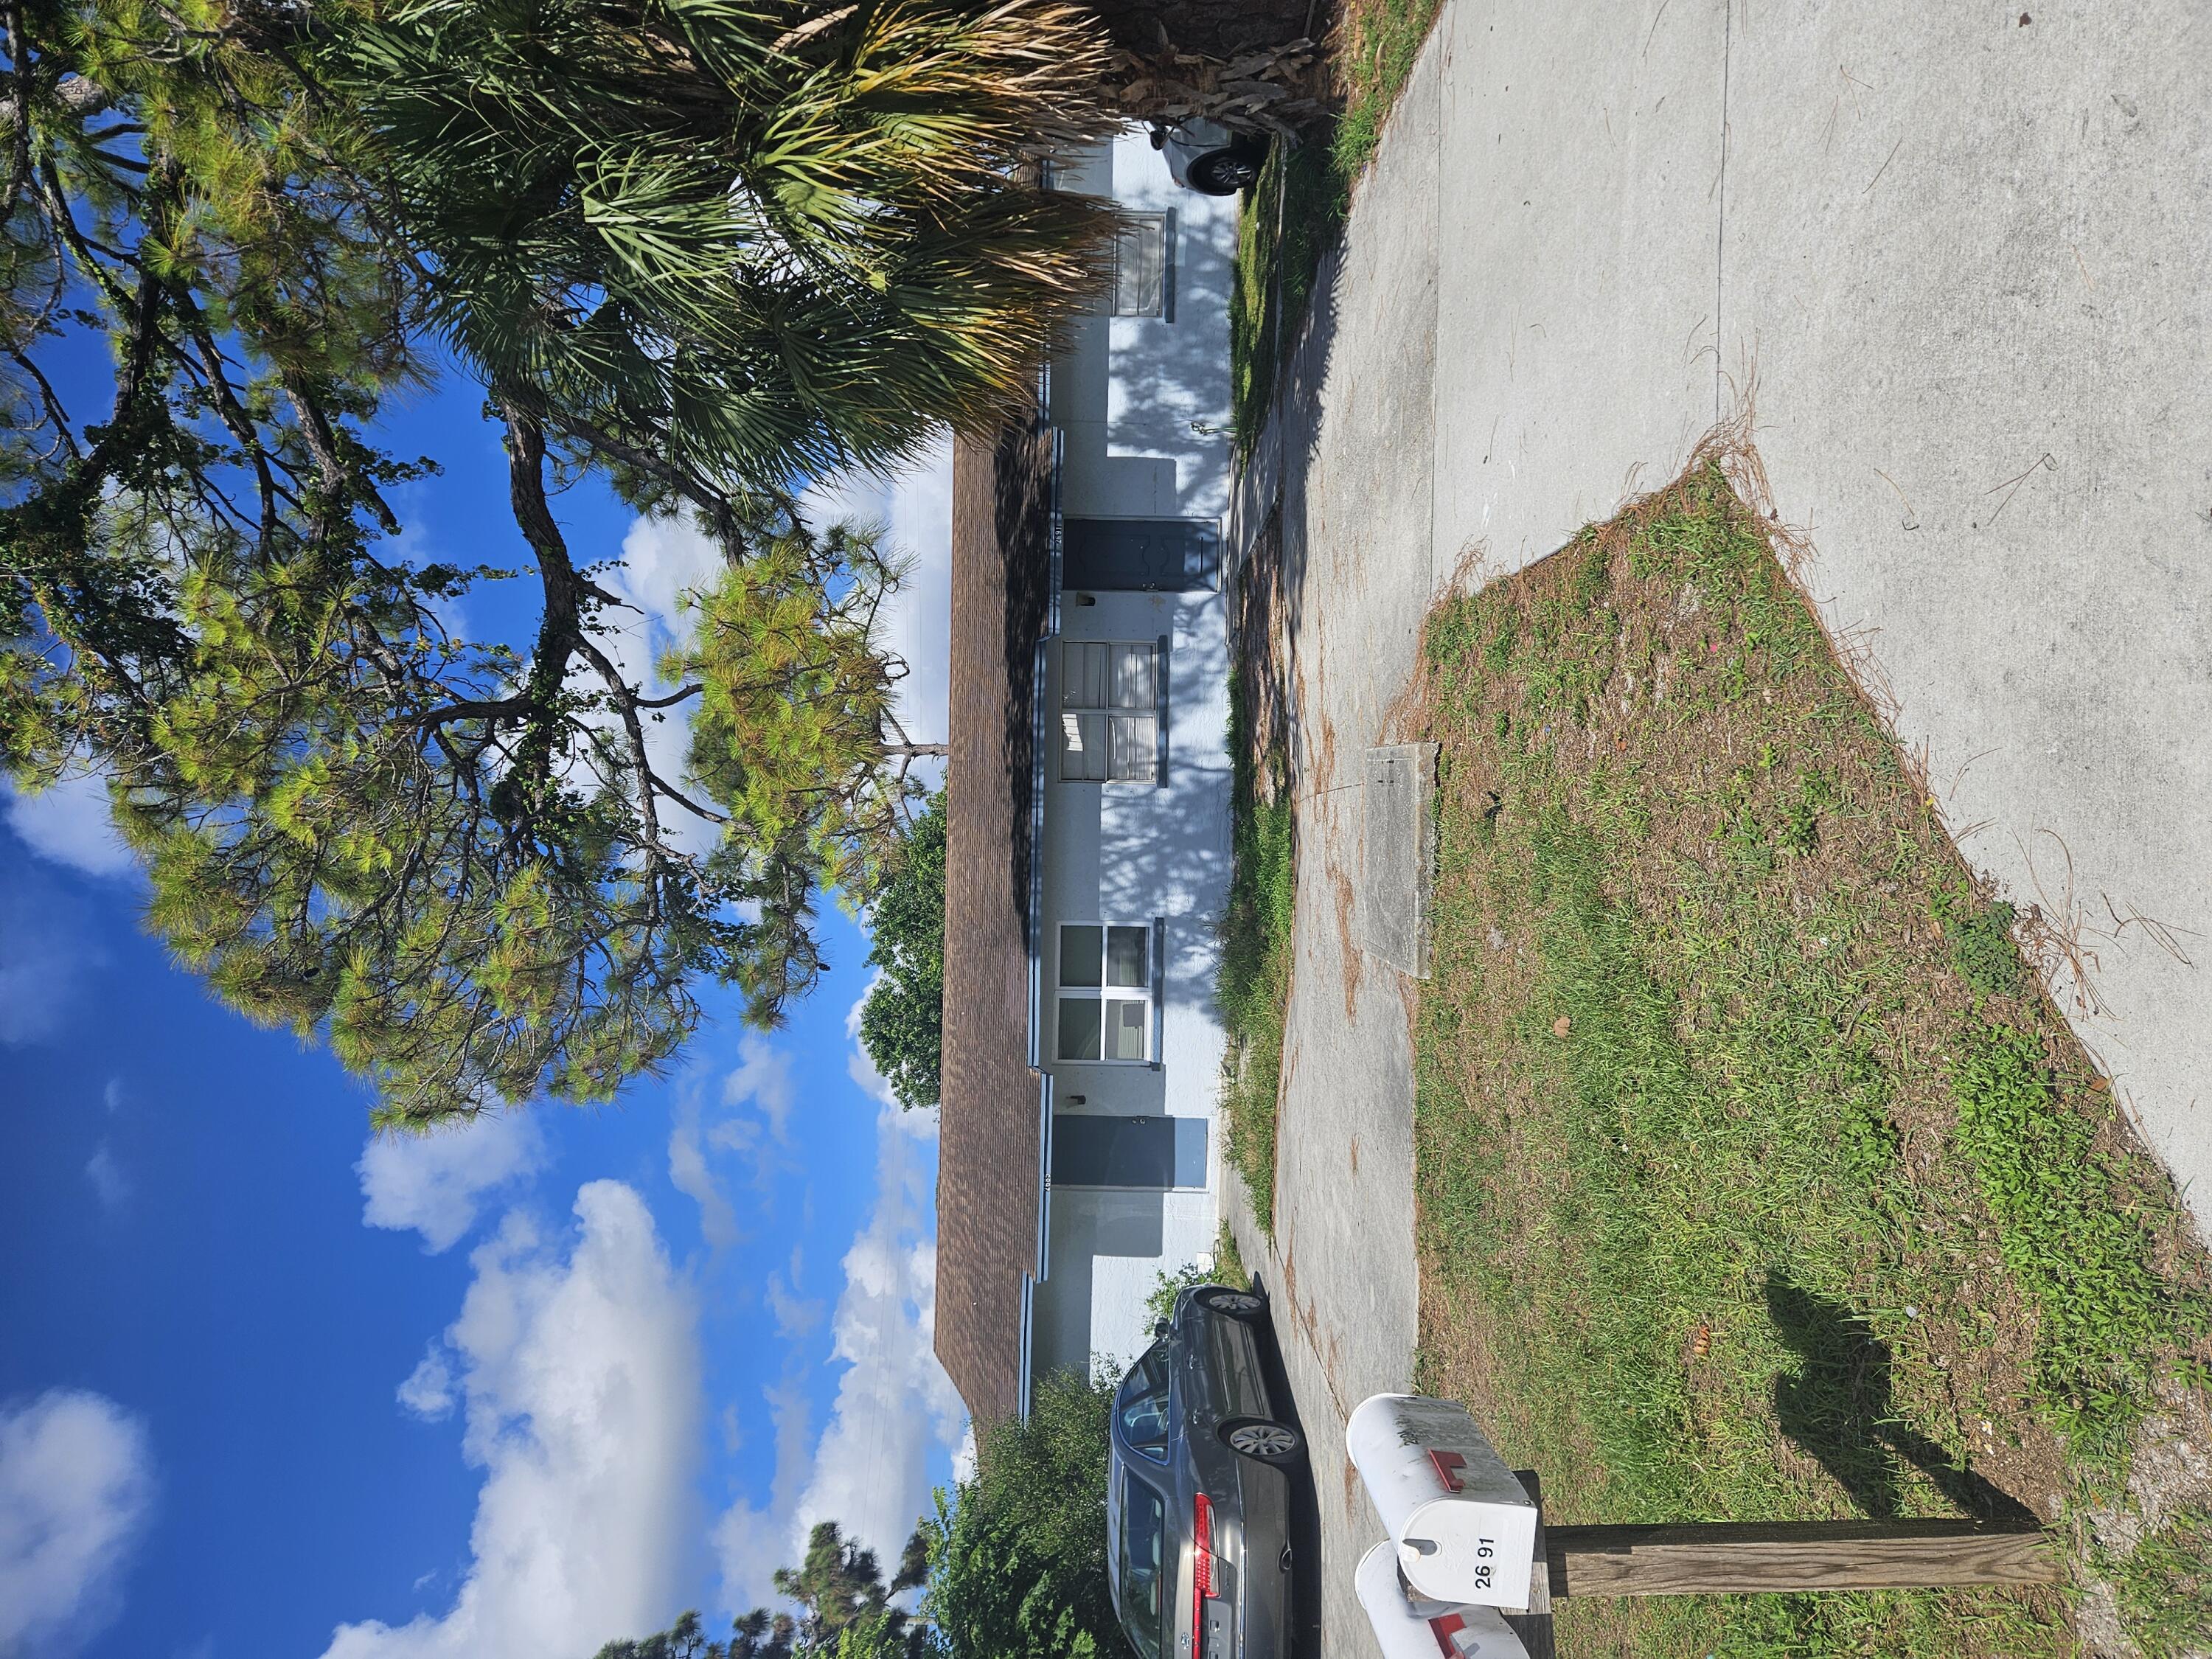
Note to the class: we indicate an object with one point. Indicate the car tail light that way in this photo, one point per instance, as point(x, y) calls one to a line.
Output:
point(1201, 1569)
point(1201, 1538)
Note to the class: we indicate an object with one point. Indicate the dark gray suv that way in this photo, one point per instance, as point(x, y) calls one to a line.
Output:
point(1198, 1495)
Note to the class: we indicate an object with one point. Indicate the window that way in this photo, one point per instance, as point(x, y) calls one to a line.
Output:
point(1105, 993)
point(1143, 1406)
point(1142, 278)
point(1110, 708)
point(1145, 1560)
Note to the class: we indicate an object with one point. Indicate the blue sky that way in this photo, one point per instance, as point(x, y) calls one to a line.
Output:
point(271, 1389)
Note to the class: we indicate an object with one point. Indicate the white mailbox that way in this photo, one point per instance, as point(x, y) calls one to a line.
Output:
point(1463, 1528)
point(1406, 1629)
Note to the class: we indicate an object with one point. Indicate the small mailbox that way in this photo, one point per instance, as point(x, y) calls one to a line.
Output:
point(1409, 1629)
point(1462, 1528)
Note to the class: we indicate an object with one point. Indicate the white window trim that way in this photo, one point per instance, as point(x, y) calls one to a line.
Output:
point(1141, 993)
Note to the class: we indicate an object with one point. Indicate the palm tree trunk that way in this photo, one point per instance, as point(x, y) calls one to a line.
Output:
point(1219, 29)
point(1250, 64)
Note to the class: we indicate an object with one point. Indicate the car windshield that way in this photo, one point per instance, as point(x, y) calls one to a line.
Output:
point(1145, 1560)
point(1144, 1407)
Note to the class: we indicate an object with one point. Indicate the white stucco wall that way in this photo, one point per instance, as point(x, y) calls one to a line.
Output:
point(1108, 1249)
point(1142, 405)
point(1143, 402)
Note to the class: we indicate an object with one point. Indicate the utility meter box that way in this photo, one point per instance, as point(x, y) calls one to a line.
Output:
point(1463, 1526)
point(1409, 1629)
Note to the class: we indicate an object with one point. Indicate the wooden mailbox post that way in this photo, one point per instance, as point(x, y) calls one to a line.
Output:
point(1732, 1558)
point(1696, 1558)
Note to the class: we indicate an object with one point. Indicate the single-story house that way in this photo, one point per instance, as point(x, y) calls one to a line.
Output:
point(1087, 811)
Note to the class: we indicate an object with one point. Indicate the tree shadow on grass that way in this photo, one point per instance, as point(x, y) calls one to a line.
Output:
point(1840, 1408)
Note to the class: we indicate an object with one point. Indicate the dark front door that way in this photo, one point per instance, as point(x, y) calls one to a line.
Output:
point(1154, 555)
point(1127, 1151)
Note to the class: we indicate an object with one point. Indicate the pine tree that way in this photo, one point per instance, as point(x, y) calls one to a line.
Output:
point(698, 251)
point(846, 1611)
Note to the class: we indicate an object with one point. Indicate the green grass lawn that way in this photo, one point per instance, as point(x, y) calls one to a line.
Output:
point(1756, 1176)
point(1291, 217)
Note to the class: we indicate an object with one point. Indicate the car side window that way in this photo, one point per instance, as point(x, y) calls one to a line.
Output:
point(1147, 1559)
point(1144, 1407)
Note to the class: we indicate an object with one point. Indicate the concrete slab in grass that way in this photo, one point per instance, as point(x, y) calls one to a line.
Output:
point(1398, 860)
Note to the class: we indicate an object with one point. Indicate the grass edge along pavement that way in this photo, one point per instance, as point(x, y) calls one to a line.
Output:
point(1756, 1177)
point(1253, 987)
point(1290, 217)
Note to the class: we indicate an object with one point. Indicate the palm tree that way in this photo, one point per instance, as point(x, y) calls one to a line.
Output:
point(738, 241)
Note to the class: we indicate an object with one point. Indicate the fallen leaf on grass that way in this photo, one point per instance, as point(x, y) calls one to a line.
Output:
point(1562, 1025)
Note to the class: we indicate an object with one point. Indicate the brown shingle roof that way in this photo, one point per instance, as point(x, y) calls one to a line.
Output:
point(987, 1146)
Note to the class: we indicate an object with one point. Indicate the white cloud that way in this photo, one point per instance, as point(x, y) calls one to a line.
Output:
point(921, 1122)
point(691, 1173)
point(662, 559)
point(895, 1407)
point(427, 1391)
point(797, 1317)
point(915, 506)
point(859, 1066)
point(46, 951)
point(76, 1487)
point(70, 824)
point(751, 1542)
point(108, 1178)
point(580, 1381)
point(436, 1182)
point(762, 1079)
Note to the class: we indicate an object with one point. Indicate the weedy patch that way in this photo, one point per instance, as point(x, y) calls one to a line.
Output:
point(1757, 1178)
point(1292, 217)
point(2164, 1588)
point(1253, 991)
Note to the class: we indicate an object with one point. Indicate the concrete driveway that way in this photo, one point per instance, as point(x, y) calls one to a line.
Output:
point(1960, 252)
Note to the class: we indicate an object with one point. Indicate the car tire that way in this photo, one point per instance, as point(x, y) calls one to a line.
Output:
point(1231, 1304)
point(1263, 1440)
point(1224, 171)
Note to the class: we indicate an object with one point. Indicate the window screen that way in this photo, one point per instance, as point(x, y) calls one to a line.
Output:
point(1109, 703)
point(1140, 267)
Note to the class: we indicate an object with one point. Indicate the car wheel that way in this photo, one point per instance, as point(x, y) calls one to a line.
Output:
point(1257, 1437)
point(1237, 1304)
point(1224, 172)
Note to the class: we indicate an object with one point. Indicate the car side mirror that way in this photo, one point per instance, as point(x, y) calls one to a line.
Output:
point(1159, 1328)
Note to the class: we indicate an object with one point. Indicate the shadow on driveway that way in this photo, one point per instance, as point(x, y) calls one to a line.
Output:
point(1305, 1505)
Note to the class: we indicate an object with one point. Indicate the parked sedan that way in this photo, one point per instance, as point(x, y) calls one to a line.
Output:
point(1198, 1495)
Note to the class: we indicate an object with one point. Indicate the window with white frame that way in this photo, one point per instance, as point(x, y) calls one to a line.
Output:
point(1105, 1005)
point(1109, 708)
point(1140, 267)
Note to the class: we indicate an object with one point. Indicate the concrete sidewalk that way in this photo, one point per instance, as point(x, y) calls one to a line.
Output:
point(1963, 258)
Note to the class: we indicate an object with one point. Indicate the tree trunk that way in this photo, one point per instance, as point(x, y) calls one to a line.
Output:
point(1222, 29)
point(1250, 64)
